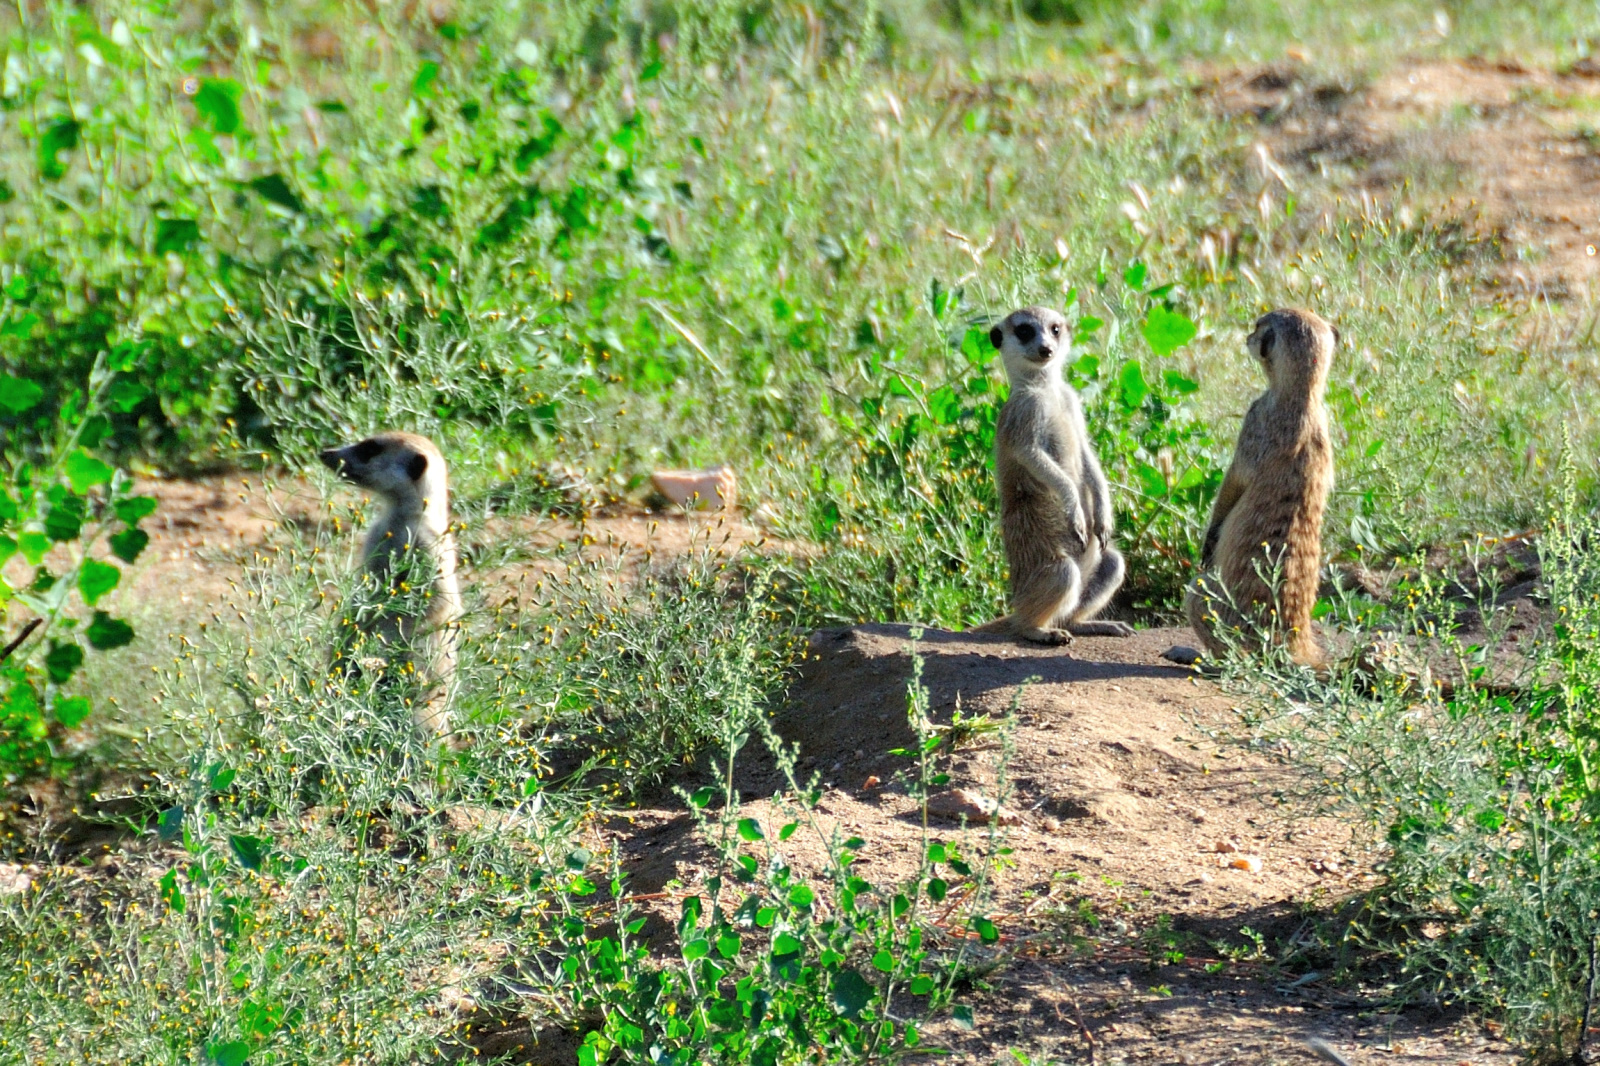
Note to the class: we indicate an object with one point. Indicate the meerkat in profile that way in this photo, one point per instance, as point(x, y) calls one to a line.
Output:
point(1267, 520)
point(1055, 506)
point(410, 551)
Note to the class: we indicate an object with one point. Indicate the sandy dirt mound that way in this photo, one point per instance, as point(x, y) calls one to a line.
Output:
point(1127, 804)
point(1515, 146)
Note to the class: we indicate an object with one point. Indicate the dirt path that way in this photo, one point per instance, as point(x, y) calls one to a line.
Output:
point(1131, 811)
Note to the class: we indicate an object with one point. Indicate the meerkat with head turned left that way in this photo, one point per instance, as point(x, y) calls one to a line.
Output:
point(1267, 519)
point(1055, 505)
point(410, 547)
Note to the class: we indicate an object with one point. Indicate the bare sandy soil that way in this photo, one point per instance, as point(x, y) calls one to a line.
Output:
point(1514, 148)
point(1131, 799)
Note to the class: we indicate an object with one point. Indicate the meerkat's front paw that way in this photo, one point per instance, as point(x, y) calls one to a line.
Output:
point(1056, 638)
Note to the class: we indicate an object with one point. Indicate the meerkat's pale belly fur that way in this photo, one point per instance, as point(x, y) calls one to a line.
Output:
point(429, 554)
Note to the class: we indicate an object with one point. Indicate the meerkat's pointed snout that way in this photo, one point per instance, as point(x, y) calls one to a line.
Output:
point(332, 458)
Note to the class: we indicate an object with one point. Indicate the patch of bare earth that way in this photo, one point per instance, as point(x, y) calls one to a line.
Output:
point(1127, 804)
point(1516, 146)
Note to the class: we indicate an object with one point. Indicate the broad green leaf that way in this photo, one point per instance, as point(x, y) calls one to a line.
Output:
point(750, 829)
point(985, 928)
point(169, 824)
point(95, 429)
point(261, 1020)
point(106, 632)
point(1167, 331)
point(95, 579)
point(128, 544)
point(72, 710)
point(171, 892)
point(703, 796)
point(1133, 386)
point(65, 519)
point(921, 985)
point(1135, 274)
point(60, 137)
point(801, 896)
point(783, 834)
point(131, 509)
point(1151, 480)
point(850, 993)
point(217, 101)
point(963, 1016)
point(976, 347)
point(248, 850)
point(274, 190)
point(63, 661)
point(127, 394)
point(423, 84)
point(233, 1053)
point(728, 944)
point(785, 944)
point(1180, 383)
point(176, 234)
point(20, 327)
point(579, 859)
point(698, 948)
point(884, 961)
point(937, 888)
point(84, 471)
point(33, 545)
point(18, 394)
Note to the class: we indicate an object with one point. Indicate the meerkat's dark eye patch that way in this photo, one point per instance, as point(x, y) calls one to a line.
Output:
point(997, 336)
point(1055, 329)
point(1025, 332)
point(416, 466)
point(366, 451)
point(1266, 343)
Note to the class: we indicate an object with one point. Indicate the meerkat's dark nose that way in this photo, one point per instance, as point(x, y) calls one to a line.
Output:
point(1025, 333)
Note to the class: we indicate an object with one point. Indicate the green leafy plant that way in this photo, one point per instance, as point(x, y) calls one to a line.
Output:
point(58, 504)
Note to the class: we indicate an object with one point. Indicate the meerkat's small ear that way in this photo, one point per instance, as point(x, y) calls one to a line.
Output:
point(997, 336)
point(416, 466)
point(1337, 340)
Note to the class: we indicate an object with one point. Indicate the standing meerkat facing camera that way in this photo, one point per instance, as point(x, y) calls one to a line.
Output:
point(410, 550)
point(1055, 506)
point(1267, 518)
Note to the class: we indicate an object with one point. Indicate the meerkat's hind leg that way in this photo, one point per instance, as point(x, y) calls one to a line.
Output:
point(1101, 585)
point(1049, 593)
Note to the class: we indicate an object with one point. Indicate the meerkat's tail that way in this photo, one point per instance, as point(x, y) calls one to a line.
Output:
point(1298, 591)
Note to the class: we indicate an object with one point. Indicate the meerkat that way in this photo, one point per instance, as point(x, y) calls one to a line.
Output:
point(1267, 519)
point(410, 547)
point(1055, 506)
